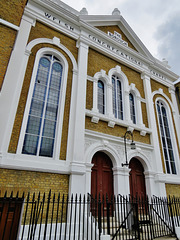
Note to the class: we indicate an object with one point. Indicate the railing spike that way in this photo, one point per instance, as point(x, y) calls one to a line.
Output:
point(11, 196)
point(17, 195)
point(5, 194)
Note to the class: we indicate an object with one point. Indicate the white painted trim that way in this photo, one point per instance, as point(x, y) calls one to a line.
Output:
point(33, 163)
point(125, 85)
point(55, 41)
point(8, 24)
point(137, 102)
point(104, 78)
point(160, 91)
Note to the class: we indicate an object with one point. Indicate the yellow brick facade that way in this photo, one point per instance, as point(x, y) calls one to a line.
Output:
point(89, 95)
point(173, 190)
point(11, 11)
point(41, 31)
point(117, 131)
point(7, 40)
point(30, 181)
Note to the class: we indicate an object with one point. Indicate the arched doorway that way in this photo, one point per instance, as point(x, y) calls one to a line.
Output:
point(137, 179)
point(102, 175)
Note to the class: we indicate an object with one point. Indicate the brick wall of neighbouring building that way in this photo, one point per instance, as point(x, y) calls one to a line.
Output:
point(11, 11)
point(31, 181)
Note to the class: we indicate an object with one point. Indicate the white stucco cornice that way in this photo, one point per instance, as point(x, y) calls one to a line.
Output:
point(163, 70)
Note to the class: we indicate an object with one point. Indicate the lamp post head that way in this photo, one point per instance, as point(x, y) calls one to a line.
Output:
point(133, 145)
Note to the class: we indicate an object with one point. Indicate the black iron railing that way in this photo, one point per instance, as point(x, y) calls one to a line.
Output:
point(51, 216)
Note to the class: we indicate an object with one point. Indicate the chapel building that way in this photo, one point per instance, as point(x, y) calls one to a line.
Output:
point(76, 92)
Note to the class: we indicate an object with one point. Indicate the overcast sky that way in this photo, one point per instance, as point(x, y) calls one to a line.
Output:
point(156, 23)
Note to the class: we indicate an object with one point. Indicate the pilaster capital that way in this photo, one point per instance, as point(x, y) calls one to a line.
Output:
point(172, 90)
point(82, 44)
point(78, 168)
point(145, 76)
point(28, 18)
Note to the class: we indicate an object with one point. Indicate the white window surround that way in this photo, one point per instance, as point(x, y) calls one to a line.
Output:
point(125, 94)
point(171, 129)
point(126, 89)
point(133, 107)
point(64, 64)
point(137, 103)
point(107, 90)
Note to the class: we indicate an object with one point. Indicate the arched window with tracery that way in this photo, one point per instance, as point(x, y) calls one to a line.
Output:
point(166, 138)
point(117, 97)
point(132, 108)
point(101, 97)
point(42, 118)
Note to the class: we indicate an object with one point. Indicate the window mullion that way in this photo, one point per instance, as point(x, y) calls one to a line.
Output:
point(44, 110)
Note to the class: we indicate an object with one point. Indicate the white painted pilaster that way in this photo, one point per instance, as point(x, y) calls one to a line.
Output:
point(175, 113)
point(152, 122)
point(109, 101)
point(13, 82)
point(76, 138)
point(95, 96)
point(88, 177)
point(151, 188)
point(121, 180)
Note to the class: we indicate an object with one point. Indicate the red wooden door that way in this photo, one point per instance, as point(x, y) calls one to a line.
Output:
point(137, 179)
point(10, 211)
point(101, 176)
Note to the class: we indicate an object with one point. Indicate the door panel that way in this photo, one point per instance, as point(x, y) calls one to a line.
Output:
point(102, 175)
point(10, 211)
point(137, 179)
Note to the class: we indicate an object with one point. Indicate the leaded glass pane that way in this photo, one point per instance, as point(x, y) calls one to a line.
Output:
point(166, 139)
point(53, 96)
point(167, 167)
point(49, 128)
point(46, 148)
point(36, 108)
point(132, 108)
point(30, 144)
point(39, 92)
point(101, 105)
point(33, 126)
point(41, 126)
point(117, 97)
point(51, 111)
point(43, 71)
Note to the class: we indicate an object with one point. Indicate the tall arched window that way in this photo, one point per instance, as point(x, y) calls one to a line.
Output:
point(132, 108)
point(117, 97)
point(166, 138)
point(101, 97)
point(41, 125)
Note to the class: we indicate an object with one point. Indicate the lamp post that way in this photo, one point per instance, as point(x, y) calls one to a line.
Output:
point(127, 135)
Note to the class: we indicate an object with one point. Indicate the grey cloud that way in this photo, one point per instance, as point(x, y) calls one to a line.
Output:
point(168, 37)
